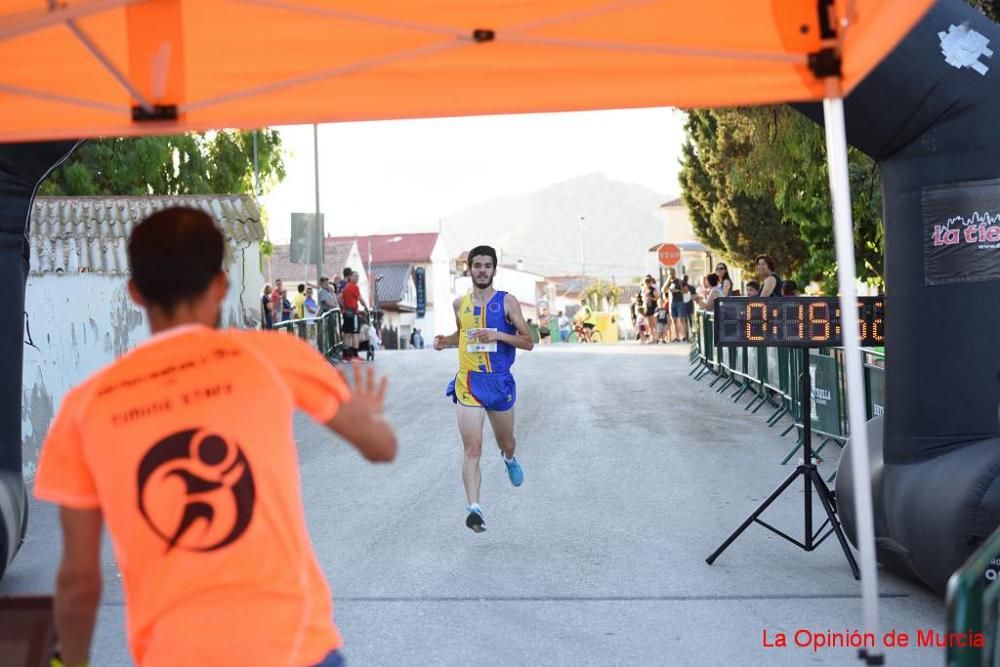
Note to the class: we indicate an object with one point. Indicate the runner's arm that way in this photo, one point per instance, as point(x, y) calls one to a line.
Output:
point(78, 583)
point(523, 338)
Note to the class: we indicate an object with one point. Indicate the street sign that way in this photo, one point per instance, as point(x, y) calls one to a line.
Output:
point(420, 283)
point(304, 246)
point(669, 255)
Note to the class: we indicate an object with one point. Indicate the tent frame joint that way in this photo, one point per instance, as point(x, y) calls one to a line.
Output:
point(483, 35)
point(825, 63)
point(158, 112)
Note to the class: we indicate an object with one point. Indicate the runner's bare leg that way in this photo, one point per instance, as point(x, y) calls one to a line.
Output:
point(470, 427)
point(503, 430)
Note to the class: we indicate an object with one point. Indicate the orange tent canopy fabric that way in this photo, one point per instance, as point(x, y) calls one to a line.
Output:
point(94, 67)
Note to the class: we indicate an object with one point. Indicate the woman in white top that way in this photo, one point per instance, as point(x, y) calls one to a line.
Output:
point(714, 292)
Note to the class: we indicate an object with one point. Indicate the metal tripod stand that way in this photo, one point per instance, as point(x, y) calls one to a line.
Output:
point(813, 480)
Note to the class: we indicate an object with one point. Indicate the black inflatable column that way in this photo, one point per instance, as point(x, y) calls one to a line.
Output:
point(22, 168)
point(930, 116)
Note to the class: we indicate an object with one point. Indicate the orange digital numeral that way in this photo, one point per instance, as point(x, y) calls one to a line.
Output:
point(815, 321)
point(878, 330)
point(762, 325)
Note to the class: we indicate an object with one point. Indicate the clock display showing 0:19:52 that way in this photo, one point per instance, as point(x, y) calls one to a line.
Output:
point(794, 321)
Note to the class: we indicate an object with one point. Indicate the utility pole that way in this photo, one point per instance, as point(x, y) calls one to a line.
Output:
point(319, 220)
point(583, 260)
point(256, 201)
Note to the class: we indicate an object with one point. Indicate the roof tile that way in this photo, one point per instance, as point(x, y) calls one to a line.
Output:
point(394, 248)
point(89, 234)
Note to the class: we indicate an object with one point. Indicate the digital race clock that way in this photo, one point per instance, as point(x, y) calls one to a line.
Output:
point(796, 321)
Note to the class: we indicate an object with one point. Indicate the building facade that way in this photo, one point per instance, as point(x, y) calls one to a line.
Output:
point(78, 314)
point(425, 251)
point(337, 255)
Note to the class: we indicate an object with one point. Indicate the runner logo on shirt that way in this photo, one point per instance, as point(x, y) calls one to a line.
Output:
point(196, 491)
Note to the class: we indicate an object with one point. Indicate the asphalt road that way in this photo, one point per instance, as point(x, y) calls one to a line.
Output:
point(634, 474)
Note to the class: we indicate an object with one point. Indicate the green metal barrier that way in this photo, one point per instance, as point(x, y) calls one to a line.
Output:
point(874, 370)
point(973, 607)
point(324, 332)
point(772, 374)
point(707, 345)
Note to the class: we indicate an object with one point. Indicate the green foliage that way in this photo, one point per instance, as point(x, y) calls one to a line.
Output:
point(611, 295)
point(788, 161)
point(739, 221)
point(211, 163)
point(989, 7)
point(595, 294)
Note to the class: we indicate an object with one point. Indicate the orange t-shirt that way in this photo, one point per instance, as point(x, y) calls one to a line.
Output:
point(186, 446)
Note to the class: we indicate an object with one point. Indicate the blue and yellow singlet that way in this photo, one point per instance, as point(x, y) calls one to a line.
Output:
point(483, 379)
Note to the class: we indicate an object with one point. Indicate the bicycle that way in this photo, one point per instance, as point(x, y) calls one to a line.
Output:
point(585, 335)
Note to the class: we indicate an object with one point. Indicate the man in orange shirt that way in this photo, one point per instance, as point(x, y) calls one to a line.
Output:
point(184, 446)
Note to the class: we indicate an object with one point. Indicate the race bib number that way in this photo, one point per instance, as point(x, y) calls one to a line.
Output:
point(473, 346)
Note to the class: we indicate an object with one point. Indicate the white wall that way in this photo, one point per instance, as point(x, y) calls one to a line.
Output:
point(440, 318)
point(519, 283)
point(81, 322)
point(676, 224)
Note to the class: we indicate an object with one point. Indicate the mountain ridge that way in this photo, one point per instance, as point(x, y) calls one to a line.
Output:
point(542, 228)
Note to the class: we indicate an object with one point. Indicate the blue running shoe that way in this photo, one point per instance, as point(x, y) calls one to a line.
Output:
point(514, 470)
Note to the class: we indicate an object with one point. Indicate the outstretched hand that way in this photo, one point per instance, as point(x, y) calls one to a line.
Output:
point(365, 390)
point(439, 343)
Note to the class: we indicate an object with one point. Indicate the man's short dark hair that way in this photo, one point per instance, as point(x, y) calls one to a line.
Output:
point(348, 271)
point(767, 260)
point(483, 251)
point(301, 288)
point(174, 255)
point(324, 279)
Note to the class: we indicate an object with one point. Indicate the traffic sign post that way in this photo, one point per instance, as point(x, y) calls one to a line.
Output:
point(669, 255)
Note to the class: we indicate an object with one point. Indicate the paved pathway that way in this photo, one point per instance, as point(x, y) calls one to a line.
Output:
point(634, 474)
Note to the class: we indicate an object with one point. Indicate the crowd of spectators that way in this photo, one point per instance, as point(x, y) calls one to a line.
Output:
point(278, 305)
point(665, 315)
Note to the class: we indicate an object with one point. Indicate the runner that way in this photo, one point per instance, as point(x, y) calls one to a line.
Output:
point(490, 327)
point(184, 447)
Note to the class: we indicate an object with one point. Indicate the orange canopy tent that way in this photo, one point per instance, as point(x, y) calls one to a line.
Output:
point(85, 68)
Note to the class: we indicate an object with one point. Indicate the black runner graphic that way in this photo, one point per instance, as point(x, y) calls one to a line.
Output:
point(196, 490)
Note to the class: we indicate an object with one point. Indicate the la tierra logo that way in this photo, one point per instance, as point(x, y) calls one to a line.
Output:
point(978, 229)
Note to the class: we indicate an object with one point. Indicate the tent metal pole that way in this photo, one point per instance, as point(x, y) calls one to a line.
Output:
point(840, 190)
point(319, 216)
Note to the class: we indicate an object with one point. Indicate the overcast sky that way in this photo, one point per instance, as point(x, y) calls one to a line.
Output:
point(389, 176)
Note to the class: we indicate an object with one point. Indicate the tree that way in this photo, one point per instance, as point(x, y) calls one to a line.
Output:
point(738, 221)
point(788, 161)
point(697, 190)
point(209, 163)
point(989, 7)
